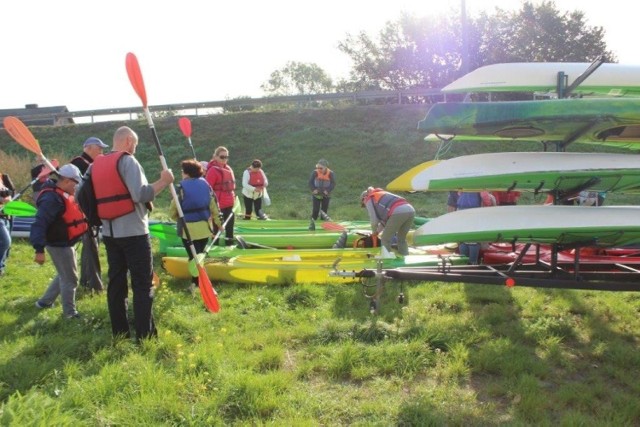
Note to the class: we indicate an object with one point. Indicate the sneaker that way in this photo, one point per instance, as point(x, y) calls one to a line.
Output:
point(42, 306)
point(75, 315)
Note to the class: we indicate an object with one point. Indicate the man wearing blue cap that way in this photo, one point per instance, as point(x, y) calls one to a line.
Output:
point(90, 271)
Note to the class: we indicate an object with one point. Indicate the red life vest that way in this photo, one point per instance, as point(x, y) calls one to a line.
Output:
point(227, 181)
point(323, 179)
point(112, 195)
point(72, 224)
point(384, 203)
point(256, 178)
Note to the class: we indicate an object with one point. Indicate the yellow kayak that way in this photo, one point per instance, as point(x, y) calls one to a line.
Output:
point(300, 266)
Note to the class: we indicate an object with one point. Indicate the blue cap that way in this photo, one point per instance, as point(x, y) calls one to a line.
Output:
point(94, 141)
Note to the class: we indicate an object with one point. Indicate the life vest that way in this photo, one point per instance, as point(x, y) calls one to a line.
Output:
point(112, 195)
point(322, 180)
point(506, 197)
point(256, 178)
point(384, 203)
point(72, 224)
point(195, 196)
point(227, 181)
point(468, 200)
point(369, 241)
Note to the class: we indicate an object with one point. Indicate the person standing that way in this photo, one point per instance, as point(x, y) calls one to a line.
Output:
point(7, 190)
point(470, 200)
point(452, 201)
point(220, 177)
point(90, 270)
point(199, 206)
point(254, 185)
point(390, 214)
point(58, 226)
point(506, 198)
point(321, 183)
point(124, 201)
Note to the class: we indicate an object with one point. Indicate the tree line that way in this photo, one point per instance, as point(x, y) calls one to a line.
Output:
point(432, 51)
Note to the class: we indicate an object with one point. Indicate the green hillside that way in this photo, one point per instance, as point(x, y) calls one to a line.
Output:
point(365, 145)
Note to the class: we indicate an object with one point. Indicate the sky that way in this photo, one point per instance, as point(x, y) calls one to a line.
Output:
point(72, 52)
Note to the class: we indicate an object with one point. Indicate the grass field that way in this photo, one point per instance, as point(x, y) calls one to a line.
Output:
point(451, 354)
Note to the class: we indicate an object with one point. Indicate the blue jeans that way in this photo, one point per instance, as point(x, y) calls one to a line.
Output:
point(5, 242)
point(133, 255)
point(471, 250)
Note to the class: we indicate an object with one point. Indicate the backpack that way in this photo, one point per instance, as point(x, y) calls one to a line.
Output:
point(86, 198)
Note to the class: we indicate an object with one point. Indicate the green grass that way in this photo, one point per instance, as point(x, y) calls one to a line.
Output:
point(452, 354)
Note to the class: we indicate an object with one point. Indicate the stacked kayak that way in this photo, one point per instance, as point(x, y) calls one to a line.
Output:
point(280, 234)
point(303, 266)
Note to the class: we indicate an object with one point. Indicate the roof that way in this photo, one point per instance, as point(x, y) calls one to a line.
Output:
point(33, 115)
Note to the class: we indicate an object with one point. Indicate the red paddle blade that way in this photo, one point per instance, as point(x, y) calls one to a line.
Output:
point(185, 126)
point(21, 134)
point(135, 77)
point(333, 226)
point(46, 170)
point(206, 290)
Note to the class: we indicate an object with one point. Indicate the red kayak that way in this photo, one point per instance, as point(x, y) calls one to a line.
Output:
point(503, 253)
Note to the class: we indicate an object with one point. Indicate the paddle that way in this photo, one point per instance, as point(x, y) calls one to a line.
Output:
point(23, 136)
point(18, 208)
point(200, 257)
point(43, 173)
point(185, 126)
point(209, 294)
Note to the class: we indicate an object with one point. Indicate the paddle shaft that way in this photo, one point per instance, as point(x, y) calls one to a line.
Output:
point(172, 188)
point(192, 149)
point(217, 236)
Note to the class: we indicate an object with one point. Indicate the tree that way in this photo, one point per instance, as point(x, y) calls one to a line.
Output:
point(297, 78)
point(538, 33)
point(413, 52)
point(427, 52)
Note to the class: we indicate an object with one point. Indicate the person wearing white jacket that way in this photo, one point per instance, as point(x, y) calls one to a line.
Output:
point(254, 190)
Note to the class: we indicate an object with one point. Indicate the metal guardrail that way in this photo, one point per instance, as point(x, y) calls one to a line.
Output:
point(398, 95)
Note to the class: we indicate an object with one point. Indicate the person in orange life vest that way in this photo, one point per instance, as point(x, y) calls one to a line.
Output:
point(199, 206)
point(220, 177)
point(506, 198)
point(7, 190)
point(389, 214)
point(124, 201)
point(58, 226)
point(90, 271)
point(321, 183)
point(254, 183)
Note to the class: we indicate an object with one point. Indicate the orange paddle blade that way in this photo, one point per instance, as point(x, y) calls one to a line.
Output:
point(46, 170)
point(185, 126)
point(135, 77)
point(209, 294)
point(333, 226)
point(21, 134)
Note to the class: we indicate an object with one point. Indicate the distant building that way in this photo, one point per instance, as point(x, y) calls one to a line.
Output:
point(32, 115)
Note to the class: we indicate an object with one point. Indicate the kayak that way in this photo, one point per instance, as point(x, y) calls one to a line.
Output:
point(301, 240)
point(299, 267)
point(500, 253)
point(280, 234)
